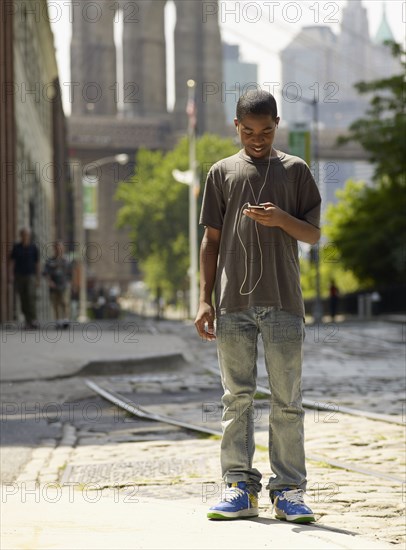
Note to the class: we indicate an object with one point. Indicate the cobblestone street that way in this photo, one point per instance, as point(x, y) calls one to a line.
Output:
point(355, 464)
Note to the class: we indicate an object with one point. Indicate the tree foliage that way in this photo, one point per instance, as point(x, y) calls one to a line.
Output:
point(368, 224)
point(331, 267)
point(155, 207)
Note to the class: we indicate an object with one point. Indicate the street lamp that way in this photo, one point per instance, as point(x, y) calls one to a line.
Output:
point(122, 159)
point(190, 178)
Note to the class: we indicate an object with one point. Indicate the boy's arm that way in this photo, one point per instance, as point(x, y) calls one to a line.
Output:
point(300, 230)
point(208, 267)
point(273, 216)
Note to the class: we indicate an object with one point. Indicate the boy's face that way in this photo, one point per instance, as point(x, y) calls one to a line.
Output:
point(257, 134)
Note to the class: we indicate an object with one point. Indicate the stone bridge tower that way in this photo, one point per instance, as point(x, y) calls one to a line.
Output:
point(198, 56)
point(93, 59)
point(101, 126)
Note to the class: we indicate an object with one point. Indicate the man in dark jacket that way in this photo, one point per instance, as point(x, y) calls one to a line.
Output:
point(25, 272)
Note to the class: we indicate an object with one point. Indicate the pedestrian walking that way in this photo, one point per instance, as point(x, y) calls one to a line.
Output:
point(334, 295)
point(58, 273)
point(257, 205)
point(25, 274)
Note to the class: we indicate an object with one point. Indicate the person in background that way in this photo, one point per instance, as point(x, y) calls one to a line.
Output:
point(25, 274)
point(58, 273)
point(334, 294)
point(75, 290)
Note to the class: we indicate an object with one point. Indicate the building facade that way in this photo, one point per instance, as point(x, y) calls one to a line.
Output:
point(8, 196)
point(33, 142)
point(319, 64)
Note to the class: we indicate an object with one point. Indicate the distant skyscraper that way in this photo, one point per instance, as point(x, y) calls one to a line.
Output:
point(384, 31)
point(384, 66)
point(239, 76)
point(309, 70)
point(320, 64)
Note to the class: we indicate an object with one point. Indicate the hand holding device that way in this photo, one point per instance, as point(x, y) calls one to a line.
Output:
point(256, 207)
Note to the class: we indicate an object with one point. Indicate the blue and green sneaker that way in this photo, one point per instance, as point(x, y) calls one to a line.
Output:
point(289, 505)
point(238, 502)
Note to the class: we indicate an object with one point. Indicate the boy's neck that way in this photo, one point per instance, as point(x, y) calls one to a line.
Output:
point(273, 154)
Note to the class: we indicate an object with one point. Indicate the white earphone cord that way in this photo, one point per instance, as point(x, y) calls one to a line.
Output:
point(257, 232)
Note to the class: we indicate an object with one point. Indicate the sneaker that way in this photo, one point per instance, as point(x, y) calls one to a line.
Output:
point(289, 505)
point(238, 502)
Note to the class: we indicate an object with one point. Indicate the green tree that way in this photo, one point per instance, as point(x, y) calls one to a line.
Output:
point(331, 267)
point(155, 209)
point(368, 224)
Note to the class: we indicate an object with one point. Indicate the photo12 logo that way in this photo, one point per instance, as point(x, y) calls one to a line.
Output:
point(89, 11)
point(70, 492)
point(270, 12)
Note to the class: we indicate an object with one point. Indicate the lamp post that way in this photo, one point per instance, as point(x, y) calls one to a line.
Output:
point(190, 178)
point(122, 159)
point(318, 309)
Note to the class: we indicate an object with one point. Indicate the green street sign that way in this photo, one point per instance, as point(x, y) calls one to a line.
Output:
point(300, 144)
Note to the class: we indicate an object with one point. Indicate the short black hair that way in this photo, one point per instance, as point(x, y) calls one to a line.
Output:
point(256, 102)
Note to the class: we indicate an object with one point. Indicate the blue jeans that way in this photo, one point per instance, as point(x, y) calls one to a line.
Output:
point(237, 336)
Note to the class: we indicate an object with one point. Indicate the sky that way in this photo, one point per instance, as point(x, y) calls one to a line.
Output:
point(261, 29)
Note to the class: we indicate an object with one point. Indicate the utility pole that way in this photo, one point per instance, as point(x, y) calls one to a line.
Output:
point(317, 309)
point(192, 199)
point(190, 178)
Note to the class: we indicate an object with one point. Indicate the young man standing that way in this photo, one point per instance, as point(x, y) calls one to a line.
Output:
point(257, 205)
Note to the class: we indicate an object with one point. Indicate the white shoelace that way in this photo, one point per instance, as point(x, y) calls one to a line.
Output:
point(295, 496)
point(232, 493)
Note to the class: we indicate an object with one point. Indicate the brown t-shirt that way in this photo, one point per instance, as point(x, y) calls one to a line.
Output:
point(258, 265)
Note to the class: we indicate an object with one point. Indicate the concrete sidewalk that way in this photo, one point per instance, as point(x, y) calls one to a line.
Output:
point(47, 353)
point(63, 519)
